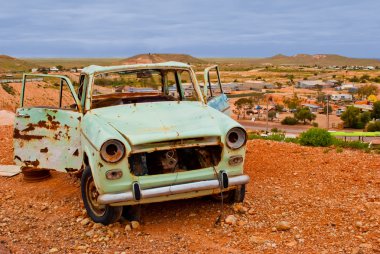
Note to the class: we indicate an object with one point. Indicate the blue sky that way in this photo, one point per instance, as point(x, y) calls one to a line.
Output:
point(121, 28)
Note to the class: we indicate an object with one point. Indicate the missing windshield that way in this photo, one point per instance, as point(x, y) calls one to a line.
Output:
point(141, 86)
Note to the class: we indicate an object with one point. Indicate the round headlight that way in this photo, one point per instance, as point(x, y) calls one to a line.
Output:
point(112, 151)
point(236, 138)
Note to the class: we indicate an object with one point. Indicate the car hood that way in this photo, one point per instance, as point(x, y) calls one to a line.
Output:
point(160, 121)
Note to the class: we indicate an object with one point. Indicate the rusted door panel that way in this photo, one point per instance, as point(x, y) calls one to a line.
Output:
point(48, 139)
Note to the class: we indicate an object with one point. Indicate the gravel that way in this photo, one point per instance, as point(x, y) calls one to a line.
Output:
point(330, 200)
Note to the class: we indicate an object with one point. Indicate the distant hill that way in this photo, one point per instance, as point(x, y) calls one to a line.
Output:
point(159, 58)
point(310, 60)
point(8, 63)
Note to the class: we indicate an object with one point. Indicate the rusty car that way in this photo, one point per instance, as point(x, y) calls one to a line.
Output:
point(138, 134)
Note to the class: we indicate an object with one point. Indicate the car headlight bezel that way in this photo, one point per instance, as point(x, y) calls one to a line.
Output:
point(112, 151)
point(236, 138)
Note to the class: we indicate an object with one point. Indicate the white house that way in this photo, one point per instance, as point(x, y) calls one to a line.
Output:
point(341, 97)
point(310, 84)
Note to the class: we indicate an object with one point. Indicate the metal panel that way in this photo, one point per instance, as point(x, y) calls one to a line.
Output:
point(48, 139)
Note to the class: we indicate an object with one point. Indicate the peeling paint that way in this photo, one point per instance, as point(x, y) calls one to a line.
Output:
point(44, 150)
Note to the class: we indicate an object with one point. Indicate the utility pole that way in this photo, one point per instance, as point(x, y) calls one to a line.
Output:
point(269, 98)
point(327, 112)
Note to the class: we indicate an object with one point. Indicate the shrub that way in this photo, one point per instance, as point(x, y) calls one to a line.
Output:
point(315, 124)
point(7, 88)
point(275, 130)
point(276, 137)
point(316, 137)
point(349, 144)
point(373, 126)
point(289, 121)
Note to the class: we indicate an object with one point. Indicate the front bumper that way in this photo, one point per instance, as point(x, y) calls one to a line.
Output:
point(112, 198)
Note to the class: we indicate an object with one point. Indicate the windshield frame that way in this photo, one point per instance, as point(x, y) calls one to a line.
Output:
point(191, 72)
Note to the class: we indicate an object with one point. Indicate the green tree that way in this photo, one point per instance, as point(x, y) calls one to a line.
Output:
point(354, 79)
point(350, 117)
point(271, 115)
point(364, 78)
point(367, 90)
point(293, 102)
point(321, 97)
point(304, 114)
point(241, 105)
point(60, 67)
point(279, 107)
point(376, 110)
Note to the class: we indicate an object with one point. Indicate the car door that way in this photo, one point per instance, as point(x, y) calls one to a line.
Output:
point(213, 90)
point(47, 125)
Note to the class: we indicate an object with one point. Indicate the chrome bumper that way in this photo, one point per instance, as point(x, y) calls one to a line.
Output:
point(105, 199)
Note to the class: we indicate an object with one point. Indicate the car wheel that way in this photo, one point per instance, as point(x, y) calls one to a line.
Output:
point(233, 196)
point(104, 214)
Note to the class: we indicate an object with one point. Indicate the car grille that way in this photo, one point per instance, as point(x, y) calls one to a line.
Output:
point(163, 161)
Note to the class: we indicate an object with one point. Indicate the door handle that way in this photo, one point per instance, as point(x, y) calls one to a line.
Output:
point(22, 115)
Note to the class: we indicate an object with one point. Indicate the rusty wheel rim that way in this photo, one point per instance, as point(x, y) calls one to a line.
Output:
point(35, 175)
point(92, 195)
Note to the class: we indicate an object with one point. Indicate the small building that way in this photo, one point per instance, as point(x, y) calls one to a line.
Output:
point(345, 86)
point(332, 82)
point(313, 108)
point(254, 85)
point(363, 107)
point(310, 84)
point(341, 97)
point(53, 69)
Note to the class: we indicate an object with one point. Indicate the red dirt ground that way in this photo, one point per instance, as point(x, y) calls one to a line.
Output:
point(330, 199)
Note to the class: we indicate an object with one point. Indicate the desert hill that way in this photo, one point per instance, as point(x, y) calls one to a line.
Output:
point(158, 58)
point(310, 60)
point(8, 63)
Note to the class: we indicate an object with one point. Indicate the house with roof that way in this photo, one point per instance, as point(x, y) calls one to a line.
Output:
point(341, 97)
point(312, 107)
point(312, 84)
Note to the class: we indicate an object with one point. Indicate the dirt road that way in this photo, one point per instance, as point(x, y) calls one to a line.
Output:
point(329, 202)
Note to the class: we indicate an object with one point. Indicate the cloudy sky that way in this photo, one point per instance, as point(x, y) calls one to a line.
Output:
point(212, 28)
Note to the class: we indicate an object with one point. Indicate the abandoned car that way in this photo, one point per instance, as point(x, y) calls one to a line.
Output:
point(138, 134)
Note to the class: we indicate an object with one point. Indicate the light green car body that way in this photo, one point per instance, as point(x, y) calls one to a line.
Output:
point(67, 140)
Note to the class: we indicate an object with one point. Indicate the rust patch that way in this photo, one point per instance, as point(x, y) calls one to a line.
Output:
point(44, 150)
point(100, 165)
point(49, 124)
point(69, 170)
point(58, 135)
point(29, 128)
point(18, 135)
point(79, 118)
point(17, 157)
point(32, 163)
point(76, 153)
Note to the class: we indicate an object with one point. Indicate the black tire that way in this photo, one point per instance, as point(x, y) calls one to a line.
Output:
point(233, 196)
point(104, 214)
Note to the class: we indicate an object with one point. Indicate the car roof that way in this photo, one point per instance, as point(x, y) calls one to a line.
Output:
point(95, 69)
